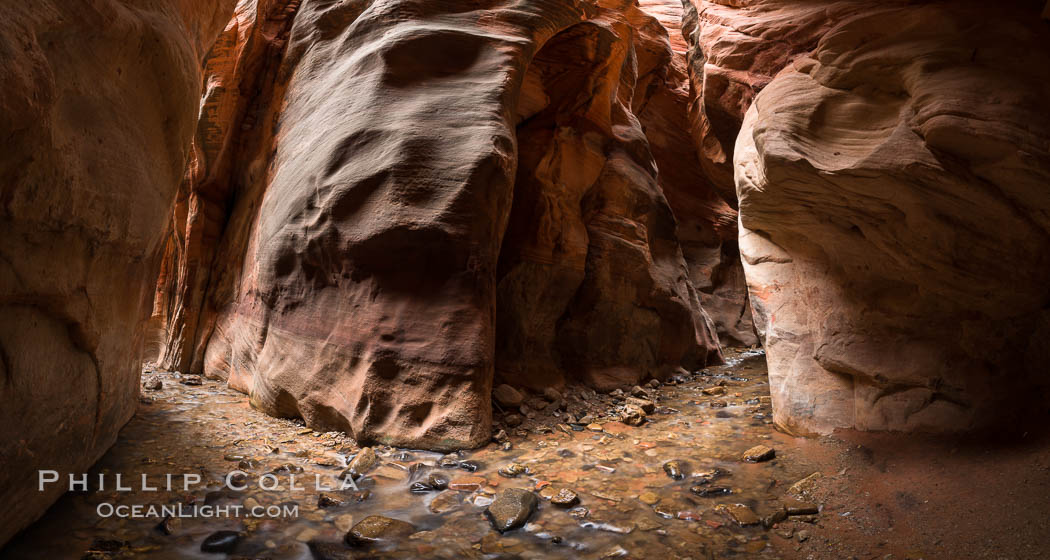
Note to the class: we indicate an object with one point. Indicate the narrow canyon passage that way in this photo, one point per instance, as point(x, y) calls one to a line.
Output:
point(525, 278)
point(676, 486)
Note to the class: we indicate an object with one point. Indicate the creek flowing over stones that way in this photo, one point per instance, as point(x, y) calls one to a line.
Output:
point(415, 228)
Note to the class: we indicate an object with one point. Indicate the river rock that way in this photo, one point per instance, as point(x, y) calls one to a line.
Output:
point(741, 514)
point(221, 541)
point(377, 528)
point(674, 470)
point(565, 498)
point(362, 462)
point(511, 509)
point(508, 397)
point(646, 405)
point(323, 550)
point(759, 453)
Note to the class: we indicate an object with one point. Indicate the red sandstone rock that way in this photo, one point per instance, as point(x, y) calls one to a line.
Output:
point(895, 231)
point(97, 107)
point(707, 222)
point(737, 46)
point(363, 277)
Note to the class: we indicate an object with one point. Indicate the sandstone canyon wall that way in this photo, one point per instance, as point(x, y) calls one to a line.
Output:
point(97, 105)
point(389, 204)
point(419, 197)
point(893, 191)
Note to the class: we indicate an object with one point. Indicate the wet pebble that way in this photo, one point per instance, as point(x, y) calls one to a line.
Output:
point(328, 500)
point(759, 453)
point(170, 525)
point(362, 462)
point(565, 498)
point(469, 466)
point(375, 528)
point(579, 512)
point(710, 491)
point(467, 483)
point(450, 461)
point(221, 541)
point(513, 470)
point(740, 514)
point(674, 470)
point(320, 550)
point(153, 384)
point(511, 509)
point(445, 501)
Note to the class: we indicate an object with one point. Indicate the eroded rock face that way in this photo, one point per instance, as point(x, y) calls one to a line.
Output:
point(97, 105)
point(736, 47)
point(592, 282)
point(894, 222)
point(363, 276)
point(707, 218)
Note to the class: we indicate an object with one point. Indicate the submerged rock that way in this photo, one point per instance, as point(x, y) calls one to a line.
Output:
point(511, 509)
point(759, 453)
point(321, 550)
point(377, 528)
point(565, 498)
point(710, 491)
point(221, 541)
point(513, 470)
point(362, 462)
point(740, 514)
point(328, 500)
point(674, 470)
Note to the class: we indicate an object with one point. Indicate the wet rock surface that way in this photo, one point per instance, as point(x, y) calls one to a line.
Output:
point(625, 498)
point(511, 509)
point(378, 528)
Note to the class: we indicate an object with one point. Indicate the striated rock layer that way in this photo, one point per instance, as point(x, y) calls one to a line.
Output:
point(97, 106)
point(707, 218)
point(895, 221)
point(421, 195)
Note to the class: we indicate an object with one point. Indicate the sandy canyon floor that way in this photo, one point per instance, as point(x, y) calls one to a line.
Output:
point(877, 497)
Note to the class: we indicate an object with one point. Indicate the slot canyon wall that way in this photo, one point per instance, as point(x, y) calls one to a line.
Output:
point(97, 107)
point(392, 204)
point(893, 180)
point(378, 208)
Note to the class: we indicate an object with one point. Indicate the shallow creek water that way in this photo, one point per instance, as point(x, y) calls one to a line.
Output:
point(629, 507)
